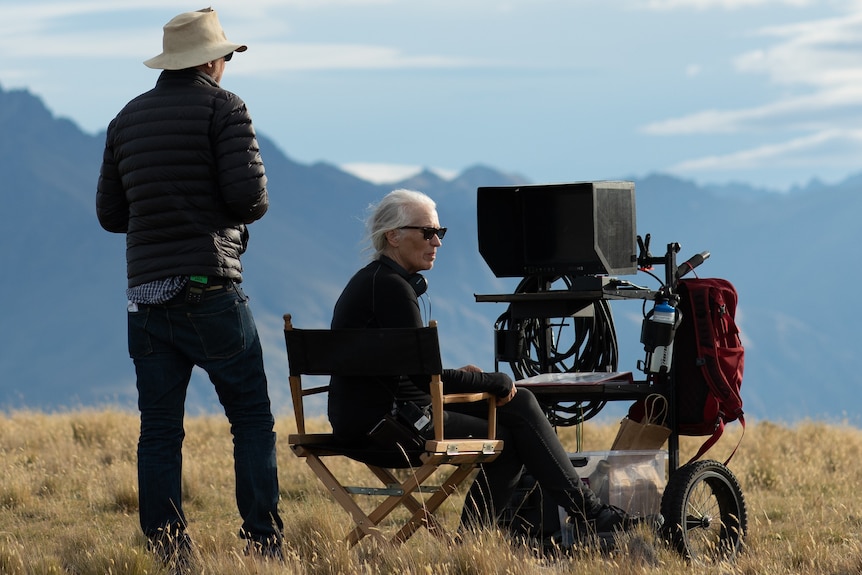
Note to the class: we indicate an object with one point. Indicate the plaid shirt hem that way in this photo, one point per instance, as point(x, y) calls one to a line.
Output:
point(158, 291)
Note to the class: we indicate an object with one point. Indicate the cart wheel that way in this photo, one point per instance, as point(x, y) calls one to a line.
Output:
point(704, 511)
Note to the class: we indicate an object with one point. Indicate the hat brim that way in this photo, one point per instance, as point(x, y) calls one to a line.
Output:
point(193, 58)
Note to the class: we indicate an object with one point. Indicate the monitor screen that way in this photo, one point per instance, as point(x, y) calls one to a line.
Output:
point(581, 228)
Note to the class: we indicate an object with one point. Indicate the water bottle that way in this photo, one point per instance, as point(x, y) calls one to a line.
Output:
point(657, 336)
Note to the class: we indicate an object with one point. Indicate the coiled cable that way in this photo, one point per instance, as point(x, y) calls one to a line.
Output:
point(583, 342)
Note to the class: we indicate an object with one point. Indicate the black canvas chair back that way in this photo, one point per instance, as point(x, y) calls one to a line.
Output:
point(364, 352)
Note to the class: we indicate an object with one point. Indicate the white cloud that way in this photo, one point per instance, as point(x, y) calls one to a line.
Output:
point(107, 44)
point(40, 31)
point(823, 53)
point(813, 110)
point(304, 56)
point(819, 112)
point(722, 4)
point(818, 149)
point(18, 16)
point(262, 6)
point(44, 30)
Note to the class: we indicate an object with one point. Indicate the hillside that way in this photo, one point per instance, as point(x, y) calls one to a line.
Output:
point(63, 344)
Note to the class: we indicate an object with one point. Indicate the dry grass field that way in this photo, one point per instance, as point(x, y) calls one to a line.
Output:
point(68, 505)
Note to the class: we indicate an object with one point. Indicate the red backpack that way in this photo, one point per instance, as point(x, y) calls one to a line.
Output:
point(708, 360)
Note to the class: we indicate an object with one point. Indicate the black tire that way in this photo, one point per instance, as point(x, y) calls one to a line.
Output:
point(704, 511)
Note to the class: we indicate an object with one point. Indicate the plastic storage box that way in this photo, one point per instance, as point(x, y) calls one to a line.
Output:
point(631, 480)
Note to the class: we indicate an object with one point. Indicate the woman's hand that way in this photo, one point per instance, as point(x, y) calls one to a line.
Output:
point(500, 400)
point(471, 367)
point(504, 400)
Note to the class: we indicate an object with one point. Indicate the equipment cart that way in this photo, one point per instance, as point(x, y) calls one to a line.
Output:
point(558, 321)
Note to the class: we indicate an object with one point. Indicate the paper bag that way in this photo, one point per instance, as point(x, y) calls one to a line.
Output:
point(650, 433)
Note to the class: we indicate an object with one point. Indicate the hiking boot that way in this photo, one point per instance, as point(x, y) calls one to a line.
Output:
point(173, 549)
point(268, 549)
point(611, 519)
point(606, 524)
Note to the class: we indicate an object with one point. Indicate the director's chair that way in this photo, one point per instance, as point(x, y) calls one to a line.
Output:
point(384, 352)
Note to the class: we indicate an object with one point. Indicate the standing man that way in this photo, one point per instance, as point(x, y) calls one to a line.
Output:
point(182, 177)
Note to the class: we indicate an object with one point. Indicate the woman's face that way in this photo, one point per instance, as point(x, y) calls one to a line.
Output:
point(409, 248)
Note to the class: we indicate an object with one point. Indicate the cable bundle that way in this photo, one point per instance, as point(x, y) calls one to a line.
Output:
point(559, 345)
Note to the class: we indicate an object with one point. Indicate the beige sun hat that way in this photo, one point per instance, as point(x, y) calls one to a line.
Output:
point(192, 39)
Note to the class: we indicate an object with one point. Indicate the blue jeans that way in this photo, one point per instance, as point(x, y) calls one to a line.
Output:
point(219, 335)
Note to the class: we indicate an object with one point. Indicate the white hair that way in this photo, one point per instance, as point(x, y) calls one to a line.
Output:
point(392, 212)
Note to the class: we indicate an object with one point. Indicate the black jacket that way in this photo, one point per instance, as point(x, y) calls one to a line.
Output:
point(379, 295)
point(181, 176)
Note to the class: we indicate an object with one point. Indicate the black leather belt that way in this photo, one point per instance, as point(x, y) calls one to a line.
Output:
point(216, 287)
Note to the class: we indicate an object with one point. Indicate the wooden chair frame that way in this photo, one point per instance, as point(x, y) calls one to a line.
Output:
point(365, 352)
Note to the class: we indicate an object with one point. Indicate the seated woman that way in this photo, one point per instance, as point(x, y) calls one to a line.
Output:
point(405, 235)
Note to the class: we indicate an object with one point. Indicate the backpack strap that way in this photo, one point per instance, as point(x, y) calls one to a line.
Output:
point(714, 438)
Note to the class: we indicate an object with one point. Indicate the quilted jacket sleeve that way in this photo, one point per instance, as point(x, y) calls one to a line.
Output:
point(241, 177)
point(112, 208)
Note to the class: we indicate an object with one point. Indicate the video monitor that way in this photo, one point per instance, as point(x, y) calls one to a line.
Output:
point(581, 228)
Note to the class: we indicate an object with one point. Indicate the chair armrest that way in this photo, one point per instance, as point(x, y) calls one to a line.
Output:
point(439, 399)
point(466, 397)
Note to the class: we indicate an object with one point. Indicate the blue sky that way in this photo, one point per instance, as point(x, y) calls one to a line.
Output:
point(767, 92)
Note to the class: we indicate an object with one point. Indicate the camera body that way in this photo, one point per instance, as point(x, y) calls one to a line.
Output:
point(413, 416)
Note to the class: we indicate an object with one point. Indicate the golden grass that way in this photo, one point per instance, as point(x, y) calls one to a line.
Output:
point(68, 505)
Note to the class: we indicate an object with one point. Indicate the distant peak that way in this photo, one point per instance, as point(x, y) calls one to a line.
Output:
point(384, 173)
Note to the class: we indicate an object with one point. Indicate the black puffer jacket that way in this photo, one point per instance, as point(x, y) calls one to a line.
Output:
point(182, 176)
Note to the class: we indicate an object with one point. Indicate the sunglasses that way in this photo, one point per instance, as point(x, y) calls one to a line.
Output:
point(228, 57)
point(427, 233)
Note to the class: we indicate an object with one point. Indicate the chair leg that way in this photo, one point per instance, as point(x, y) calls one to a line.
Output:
point(426, 515)
point(390, 504)
point(388, 478)
point(422, 512)
point(365, 525)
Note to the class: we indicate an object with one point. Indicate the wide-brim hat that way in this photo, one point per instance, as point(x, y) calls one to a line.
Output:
point(192, 39)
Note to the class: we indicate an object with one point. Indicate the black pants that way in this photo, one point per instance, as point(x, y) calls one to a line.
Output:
point(529, 442)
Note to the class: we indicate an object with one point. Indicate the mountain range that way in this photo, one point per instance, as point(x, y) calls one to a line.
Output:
point(63, 343)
